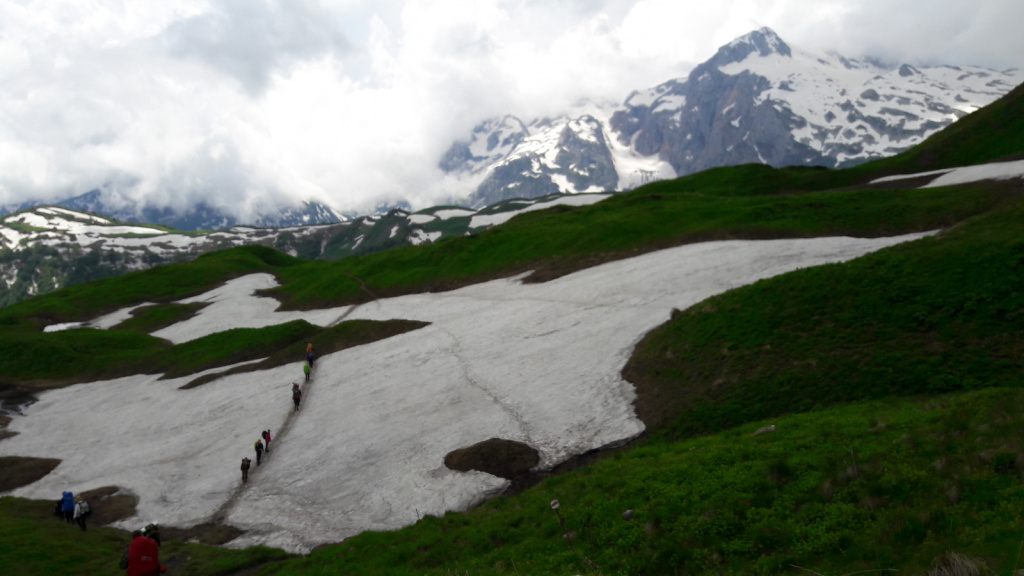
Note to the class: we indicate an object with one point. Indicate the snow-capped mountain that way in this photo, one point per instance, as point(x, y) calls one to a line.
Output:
point(201, 216)
point(756, 100)
point(48, 247)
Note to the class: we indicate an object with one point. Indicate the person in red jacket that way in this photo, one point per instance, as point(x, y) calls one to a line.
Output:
point(143, 556)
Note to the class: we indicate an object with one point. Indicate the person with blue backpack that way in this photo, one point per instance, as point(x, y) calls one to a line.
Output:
point(67, 506)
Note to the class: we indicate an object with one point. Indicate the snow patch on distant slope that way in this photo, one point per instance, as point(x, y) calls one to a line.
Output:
point(574, 200)
point(964, 174)
point(453, 213)
point(418, 237)
point(421, 218)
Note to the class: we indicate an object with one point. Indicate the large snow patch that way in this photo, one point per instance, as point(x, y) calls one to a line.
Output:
point(536, 363)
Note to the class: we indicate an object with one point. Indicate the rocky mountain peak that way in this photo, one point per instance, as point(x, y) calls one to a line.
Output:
point(757, 100)
point(763, 42)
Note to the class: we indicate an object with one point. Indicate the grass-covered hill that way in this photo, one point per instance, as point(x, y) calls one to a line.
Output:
point(893, 382)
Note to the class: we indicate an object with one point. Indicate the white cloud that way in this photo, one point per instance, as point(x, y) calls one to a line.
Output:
point(248, 103)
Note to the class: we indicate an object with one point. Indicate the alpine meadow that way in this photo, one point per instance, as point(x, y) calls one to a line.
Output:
point(861, 416)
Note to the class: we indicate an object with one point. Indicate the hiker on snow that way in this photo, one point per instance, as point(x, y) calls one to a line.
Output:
point(67, 506)
point(245, 470)
point(305, 370)
point(309, 354)
point(259, 451)
point(296, 395)
point(82, 510)
point(266, 439)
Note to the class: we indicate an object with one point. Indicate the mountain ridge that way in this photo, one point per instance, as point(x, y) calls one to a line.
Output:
point(756, 100)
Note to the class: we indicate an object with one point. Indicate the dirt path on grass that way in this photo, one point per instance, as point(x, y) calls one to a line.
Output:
point(354, 307)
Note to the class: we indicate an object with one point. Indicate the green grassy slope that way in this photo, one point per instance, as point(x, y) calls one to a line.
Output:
point(160, 284)
point(551, 242)
point(923, 338)
point(941, 314)
point(561, 240)
point(877, 486)
point(33, 542)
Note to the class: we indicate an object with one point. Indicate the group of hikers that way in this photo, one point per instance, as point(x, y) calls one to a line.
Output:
point(263, 445)
point(141, 557)
point(260, 449)
point(73, 509)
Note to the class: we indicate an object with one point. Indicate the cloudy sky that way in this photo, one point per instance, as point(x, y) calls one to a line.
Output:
point(244, 103)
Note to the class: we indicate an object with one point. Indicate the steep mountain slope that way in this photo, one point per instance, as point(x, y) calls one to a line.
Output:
point(757, 100)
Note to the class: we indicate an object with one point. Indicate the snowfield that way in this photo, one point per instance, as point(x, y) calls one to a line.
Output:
point(964, 174)
point(536, 363)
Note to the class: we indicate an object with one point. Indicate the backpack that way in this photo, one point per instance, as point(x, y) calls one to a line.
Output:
point(86, 509)
point(296, 394)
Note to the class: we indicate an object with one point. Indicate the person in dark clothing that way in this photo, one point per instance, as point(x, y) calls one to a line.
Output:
point(245, 469)
point(152, 531)
point(259, 451)
point(266, 441)
point(68, 507)
point(296, 395)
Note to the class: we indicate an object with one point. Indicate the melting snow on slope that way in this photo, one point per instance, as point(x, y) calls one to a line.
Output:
point(72, 214)
point(417, 237)
point(537, 363)
point(76, 227)
point(421, 218)
point(501, 218)
point(453, 213)
point(994, 171)
point(964, 174)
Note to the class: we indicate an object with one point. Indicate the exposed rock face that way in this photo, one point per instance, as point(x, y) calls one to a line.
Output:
point(503, 458)
point(756, 100)
point(491, 141)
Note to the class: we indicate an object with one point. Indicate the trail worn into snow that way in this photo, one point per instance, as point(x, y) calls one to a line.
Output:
point(220, 515)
